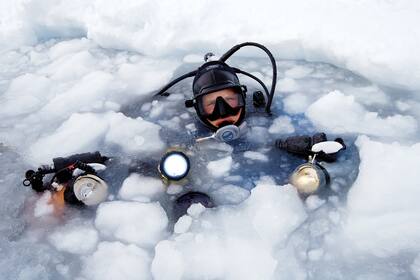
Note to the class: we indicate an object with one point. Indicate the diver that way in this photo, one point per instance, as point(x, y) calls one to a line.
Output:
point(219, 98)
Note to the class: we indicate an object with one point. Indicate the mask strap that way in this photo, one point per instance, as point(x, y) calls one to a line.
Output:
point(177, 80)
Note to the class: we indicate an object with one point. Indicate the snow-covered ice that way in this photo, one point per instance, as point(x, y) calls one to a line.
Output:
point(79, 76)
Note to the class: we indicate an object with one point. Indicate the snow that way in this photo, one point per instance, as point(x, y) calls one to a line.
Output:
point(115, 128)
point(415, 267)
point(296, 103)
point(75, 239)
point(114, 260)
point(230, 194)
point(183, 224)
point(137, 187)
point(233, 242)
point(143, 224)
point(220, 167)
point(383, 208)
point(195, 210)
point(282, 125)
point(345, 115)
point(79, 76)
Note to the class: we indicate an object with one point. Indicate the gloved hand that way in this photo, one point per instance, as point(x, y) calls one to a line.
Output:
point(302, 146)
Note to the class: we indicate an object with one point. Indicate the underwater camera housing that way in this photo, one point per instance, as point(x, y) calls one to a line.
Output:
point(86, 188)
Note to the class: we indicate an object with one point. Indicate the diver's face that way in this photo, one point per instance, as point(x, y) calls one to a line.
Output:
point(230, 96)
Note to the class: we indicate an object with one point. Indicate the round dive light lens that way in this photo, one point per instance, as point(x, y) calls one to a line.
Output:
point(174, 165)
point(308, 178)
point(90, 189)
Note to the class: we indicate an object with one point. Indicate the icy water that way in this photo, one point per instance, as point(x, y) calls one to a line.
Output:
point(60, 98)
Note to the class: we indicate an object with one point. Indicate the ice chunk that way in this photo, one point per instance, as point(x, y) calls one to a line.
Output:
point(141, 223)
point(316, 254)
point(256, 156)
point(114, 260)
point(134, 135)
point(220, 167)
point(19, 99)
point(345, 115)
point(170, 264)
point(115, 128)
point(282, 125)
point(70, 138)
point(275, 210)
point(146, 75)
point(313, 202)
point(195, 210)
point(415, 267)
point(137, 186)
point(183, 224)
point(75, 239)
point(298, 72)
point(230, 194)
point(287, 85)
point(67, 47)
point(383, 208)
point(233, 242)
point(296, 103)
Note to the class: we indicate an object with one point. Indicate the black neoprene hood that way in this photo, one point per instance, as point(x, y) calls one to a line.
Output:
point(214, 76)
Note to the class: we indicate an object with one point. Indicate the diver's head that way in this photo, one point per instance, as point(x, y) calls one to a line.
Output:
point(219, 98)
point(222, 107)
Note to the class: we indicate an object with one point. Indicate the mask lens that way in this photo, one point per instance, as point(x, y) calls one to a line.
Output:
point(207, 103)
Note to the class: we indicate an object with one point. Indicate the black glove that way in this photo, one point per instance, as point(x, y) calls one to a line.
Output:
point(302, 146)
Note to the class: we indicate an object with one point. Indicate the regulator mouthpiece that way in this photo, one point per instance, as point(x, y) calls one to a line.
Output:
point(227, 133)
point(90, 189)
point(174, 166)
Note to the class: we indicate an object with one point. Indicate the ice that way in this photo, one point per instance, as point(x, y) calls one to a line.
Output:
point(298, 72)
point(233, 242)
point(114, 260)
point(256, 156)
point(282, 125)
point(195, 210)
point(80, 76)
point(137, 187)
point(415, 267)
point(143, 224)
point(43, 206)
point(183, 224)
point(313, 202)
point(383, 208)
point(75, 239)
point(288, 85)
point(230, 194)
point(26, 99)
point(153, 74)
point(220, 167)
point(132, 135)
point(296, 103)
point(345, 115)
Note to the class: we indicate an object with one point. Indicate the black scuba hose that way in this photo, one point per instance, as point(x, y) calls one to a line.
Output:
point(237, 70)
point(190, 74)
point(234, 49)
